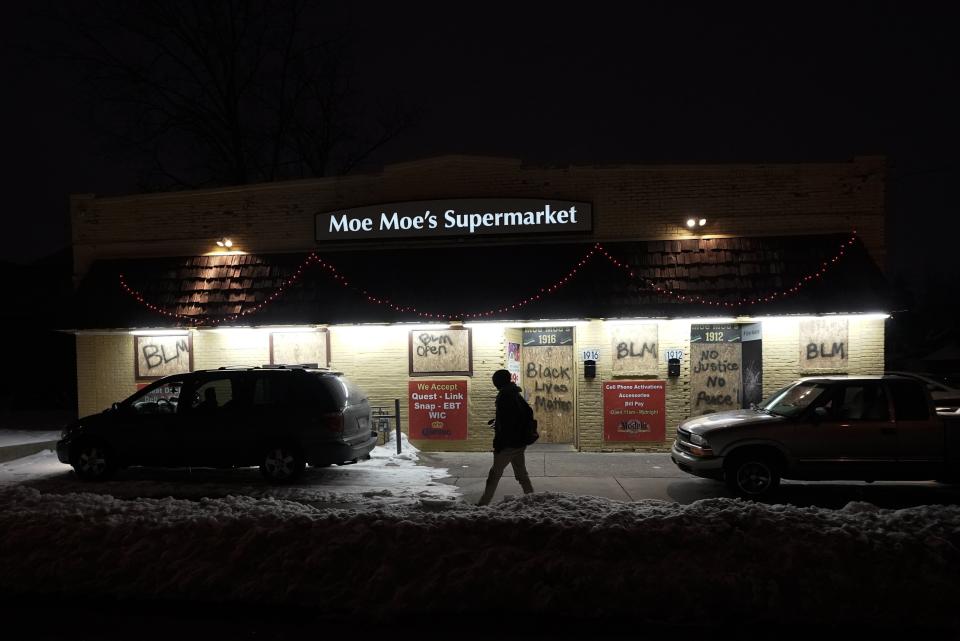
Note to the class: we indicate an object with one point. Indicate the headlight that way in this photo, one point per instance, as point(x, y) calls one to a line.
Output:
point(696, 439)
point(69, 428)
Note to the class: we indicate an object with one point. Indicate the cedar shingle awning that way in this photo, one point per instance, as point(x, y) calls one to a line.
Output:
point(698, 277)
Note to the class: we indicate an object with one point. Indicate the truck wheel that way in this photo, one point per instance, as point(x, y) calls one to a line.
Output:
point(752, 476)
point(93, 461)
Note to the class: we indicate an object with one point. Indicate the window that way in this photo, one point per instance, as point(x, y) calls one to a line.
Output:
point(792, 400)
point(866, 402)
point(909, 401)
point(272, 390)
point(161, 398)
point(212, 395)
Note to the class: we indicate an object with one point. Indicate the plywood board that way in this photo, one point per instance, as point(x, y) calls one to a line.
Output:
point(634, 350)
point(441, 351)
point(159, 356)
point(298, 348)
point(824, 345)
point(715, 377)
point(548, 382)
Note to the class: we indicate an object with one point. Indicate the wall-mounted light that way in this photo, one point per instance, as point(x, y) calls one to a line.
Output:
point(696, 222)
point(225, 242)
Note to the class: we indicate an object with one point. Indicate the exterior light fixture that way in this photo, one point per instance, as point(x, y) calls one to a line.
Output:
point(225, 242)
point(692, 222)
point(702, 222)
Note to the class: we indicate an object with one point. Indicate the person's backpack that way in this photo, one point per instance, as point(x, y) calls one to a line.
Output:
point(528, 422)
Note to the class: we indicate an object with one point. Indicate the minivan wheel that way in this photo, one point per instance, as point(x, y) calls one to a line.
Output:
point(752, 476)
point(281, 464)
point(93, 461)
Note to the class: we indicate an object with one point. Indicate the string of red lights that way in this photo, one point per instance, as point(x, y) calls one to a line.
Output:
point(313, 259)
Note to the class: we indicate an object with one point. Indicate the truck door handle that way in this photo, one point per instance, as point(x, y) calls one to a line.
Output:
point(888, 430)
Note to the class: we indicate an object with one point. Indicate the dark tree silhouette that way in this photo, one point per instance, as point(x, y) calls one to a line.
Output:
point(214, 92)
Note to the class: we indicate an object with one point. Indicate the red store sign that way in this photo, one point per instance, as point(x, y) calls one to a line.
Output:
point(634, 411)
point(438, 409)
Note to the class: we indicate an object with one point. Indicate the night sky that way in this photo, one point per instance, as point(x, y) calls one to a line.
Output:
point(590, 83)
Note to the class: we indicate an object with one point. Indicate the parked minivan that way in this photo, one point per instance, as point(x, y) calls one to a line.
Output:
point(280, 418)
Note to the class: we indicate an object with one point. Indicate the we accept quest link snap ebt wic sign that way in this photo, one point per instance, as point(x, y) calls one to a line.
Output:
point(456, 217)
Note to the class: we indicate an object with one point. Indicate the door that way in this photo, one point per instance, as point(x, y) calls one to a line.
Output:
point(210, 421)
point(145, 433)
point(920, 437)
point(547, 380)
point(849, 433)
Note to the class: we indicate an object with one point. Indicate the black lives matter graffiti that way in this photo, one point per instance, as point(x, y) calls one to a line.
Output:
point(548, 375)
point(716, 358)
point(441, 351)
point(824, 345)
point(634, 350)
point(159, 356)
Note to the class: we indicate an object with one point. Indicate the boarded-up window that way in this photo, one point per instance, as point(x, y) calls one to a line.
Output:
point(716, 355)
point(824, 345)
point(441, 351)
point(634, 350)
point(300, 348)
point(159, 356)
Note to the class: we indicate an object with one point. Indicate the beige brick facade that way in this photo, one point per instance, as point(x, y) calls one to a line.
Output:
point(376, 358)
point(641, 202)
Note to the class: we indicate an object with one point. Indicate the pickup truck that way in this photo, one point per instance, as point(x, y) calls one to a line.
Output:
point(863, 428)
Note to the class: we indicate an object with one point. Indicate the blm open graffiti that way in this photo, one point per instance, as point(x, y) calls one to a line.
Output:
point(548, 376)
point(159, 356)
point(441, 351)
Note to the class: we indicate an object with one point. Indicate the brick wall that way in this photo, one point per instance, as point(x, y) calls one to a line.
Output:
point(638, 202)
point(104, 371)
point(375, 357)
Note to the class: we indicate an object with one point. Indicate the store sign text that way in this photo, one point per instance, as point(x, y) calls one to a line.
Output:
point(460, 217)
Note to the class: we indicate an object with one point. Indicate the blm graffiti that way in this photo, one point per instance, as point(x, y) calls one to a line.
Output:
point(634, 350)
point(824, 345)
point(159, 356)
point(716, 357)
point(441, 351)
point(548, 375)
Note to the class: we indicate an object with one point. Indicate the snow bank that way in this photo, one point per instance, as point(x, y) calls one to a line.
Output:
point(710, 562)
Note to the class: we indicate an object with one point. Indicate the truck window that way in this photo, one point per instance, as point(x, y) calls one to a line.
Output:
point(909, 401)
point(859, 402)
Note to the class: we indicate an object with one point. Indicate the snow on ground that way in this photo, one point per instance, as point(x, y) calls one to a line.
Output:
point(386, 478)
point(385, 538)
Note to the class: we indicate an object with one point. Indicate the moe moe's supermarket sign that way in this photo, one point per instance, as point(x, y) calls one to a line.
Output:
point(460, 217)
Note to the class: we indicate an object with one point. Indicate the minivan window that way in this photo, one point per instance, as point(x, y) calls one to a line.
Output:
point(212, 395)
point(159, 398)
point(272, 390)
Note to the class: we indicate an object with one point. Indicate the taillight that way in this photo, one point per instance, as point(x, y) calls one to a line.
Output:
point(332, 422)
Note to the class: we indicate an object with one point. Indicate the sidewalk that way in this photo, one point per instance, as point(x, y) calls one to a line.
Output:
point(15, 444)
point(619, 476)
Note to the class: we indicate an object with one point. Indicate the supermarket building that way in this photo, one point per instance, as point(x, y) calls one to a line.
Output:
point(623, 298)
